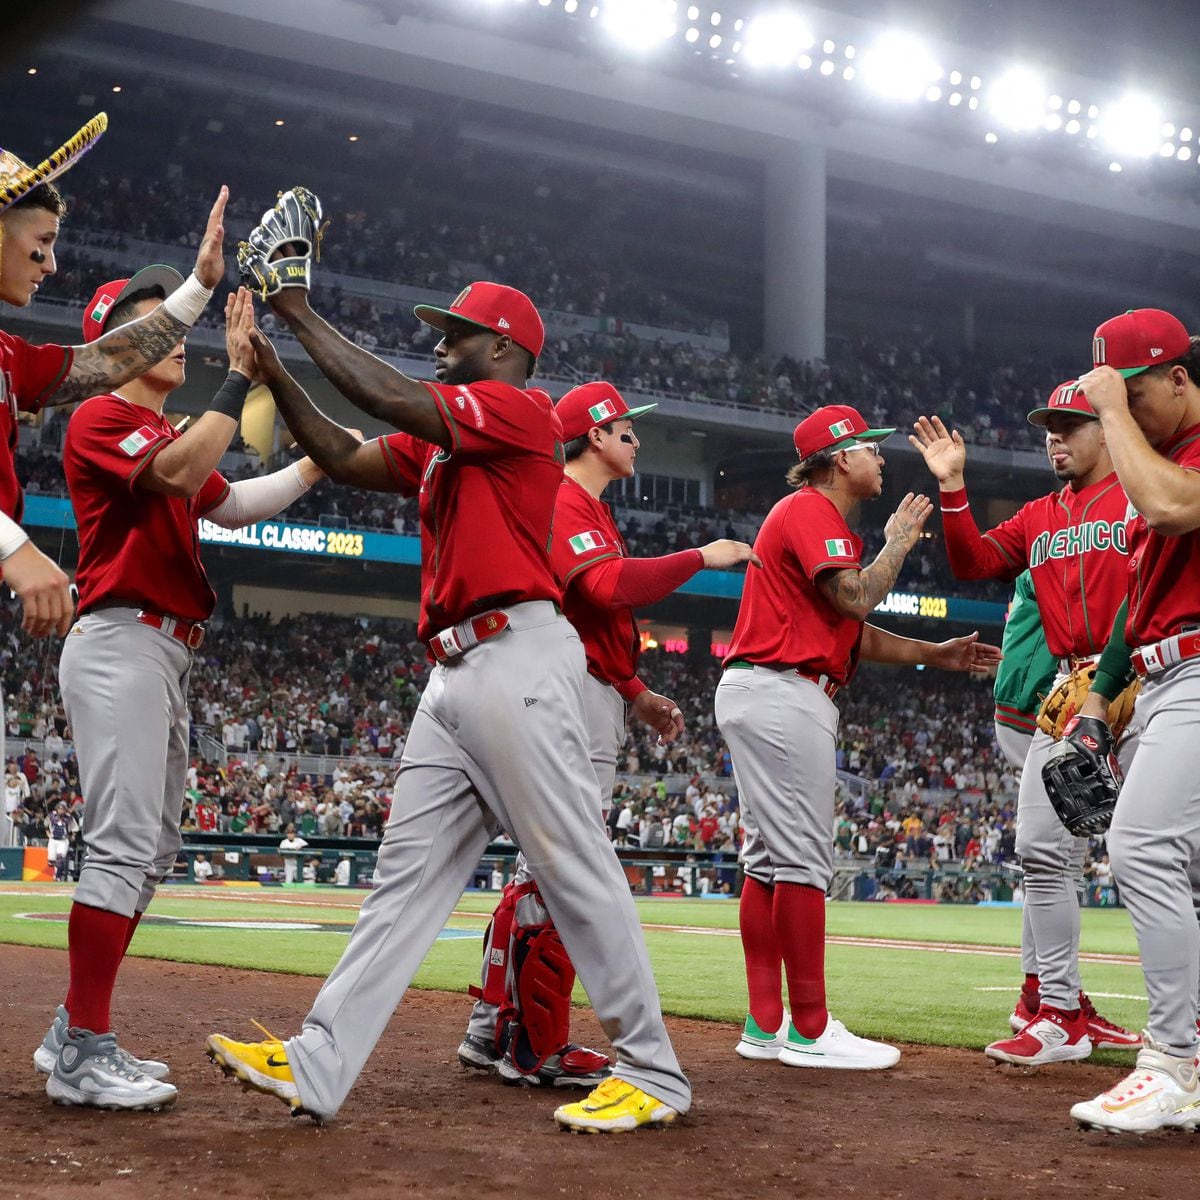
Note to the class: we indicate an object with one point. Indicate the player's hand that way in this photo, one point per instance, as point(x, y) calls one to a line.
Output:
point(1104, 388)
point(906, 523)
point(965, 654)
point(265, 356)
point(210, 261)
point(943, 450)
point(239, 325)
point(726, 553)
point(661, 714)
point(43, 589)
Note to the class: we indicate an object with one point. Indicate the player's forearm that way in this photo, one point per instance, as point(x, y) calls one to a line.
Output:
point(252, 500)
point(857, 593)
point(1166, 495)
point(366, 381)
point(971, 556)
point(182, 468)
point(331, 446)
point(878, 645)
point(1114, 670)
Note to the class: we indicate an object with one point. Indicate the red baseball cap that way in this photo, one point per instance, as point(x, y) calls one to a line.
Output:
point(491, 306)
point(109, 295)
point(1139, 339)
point(1065, 398)
point(837, 427)
point(583, 408)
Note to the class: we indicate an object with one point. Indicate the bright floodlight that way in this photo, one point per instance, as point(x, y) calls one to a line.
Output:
point(1018, 100)
point(639, 24)
point(1132, 125)
point(900, 67)
point(776, 39)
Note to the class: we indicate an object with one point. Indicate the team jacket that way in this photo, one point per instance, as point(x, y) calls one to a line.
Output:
point(1073, 543)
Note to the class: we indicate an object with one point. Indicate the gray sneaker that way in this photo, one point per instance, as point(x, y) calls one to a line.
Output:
point(479, 1055)
point(92, 1070)
point(45, 1056)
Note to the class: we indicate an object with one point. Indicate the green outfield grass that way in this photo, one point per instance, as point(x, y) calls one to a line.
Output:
point(913, 995)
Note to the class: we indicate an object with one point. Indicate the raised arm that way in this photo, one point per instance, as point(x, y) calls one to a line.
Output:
point(366, 381)
point(856, 593)
point(132, 349)
point(339, 452)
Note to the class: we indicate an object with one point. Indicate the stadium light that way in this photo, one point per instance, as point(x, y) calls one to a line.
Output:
point(899, 67)
point(1132, 126)
point(1018, 100)
point(776, 39)
point(639, 24)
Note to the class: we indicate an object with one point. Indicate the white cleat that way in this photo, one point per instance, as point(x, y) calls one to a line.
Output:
point(1161, 1092)
point(756, 1043)
point(92, 1070)
point(837, 1049)
point(46, 1055)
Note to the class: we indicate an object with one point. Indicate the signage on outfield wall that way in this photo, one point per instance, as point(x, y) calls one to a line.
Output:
point(359, 545)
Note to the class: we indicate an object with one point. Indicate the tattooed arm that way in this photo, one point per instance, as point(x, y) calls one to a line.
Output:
point(855, 593)
point(133, 349)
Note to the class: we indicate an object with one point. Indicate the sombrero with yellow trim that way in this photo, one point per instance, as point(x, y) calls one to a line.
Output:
point(18, 179)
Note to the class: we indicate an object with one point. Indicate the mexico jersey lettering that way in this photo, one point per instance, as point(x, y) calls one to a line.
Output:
point(1074, 544)
point(784, 618)
point(29, 375)
point(1164, 572)
point(585, 534)
point(486, 501)
point(134, 545)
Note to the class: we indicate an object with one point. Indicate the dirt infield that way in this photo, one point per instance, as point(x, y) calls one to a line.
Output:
point(943, 1124)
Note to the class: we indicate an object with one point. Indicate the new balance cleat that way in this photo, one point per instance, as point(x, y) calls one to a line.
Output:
point(262, 1066)
point(836, 1049)
point(1106, 1035)
point(92, 1070)
point(572, 1066)
point(1161, 1092)
point(1052, 1036)
point(45, 1056)
point(614, 1107)
point(479, 1054)
point(756, 1043)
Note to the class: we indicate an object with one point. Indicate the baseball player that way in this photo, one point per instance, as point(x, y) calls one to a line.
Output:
point(58, 841)
point(35, 377)
point(500, 737)
point(520, 1023)
point(1073, 543)
point(138, 488)
point(800, 632)
point(1145, 386)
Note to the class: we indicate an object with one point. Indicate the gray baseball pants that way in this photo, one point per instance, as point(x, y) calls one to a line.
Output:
point(497, 741)
point(124, 688)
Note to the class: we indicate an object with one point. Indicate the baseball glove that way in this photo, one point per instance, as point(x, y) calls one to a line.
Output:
point(279, 251)
point(1065, 701)
point(1083, 778)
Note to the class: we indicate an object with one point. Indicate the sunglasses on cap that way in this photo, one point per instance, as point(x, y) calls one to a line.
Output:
point(872, 446)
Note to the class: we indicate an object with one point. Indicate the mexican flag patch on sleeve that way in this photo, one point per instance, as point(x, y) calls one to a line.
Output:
point(839, 548)
point(138, 440)
point(581, 543)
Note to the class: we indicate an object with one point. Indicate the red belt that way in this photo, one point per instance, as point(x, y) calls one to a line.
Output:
point(190, 633)
point(1156, 658)
point(458, 639)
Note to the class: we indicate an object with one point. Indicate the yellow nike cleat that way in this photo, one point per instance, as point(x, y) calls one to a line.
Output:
point(614, 1107)
point(262, 1066)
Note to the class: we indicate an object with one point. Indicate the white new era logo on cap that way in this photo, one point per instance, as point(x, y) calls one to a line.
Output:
point(502, 323)
point(1155, 351)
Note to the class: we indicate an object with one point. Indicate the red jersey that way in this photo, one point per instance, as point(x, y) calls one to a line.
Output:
point(1074, 544)
point(784, 618)
point(585, 534)
point(136, 546)
point(28, 376)
point(486, 503)
point(1164, 572)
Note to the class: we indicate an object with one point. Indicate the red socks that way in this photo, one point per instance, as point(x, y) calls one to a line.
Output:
point(764, 960)
point(97, 940)
point(799, 915)
point(133, 924)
